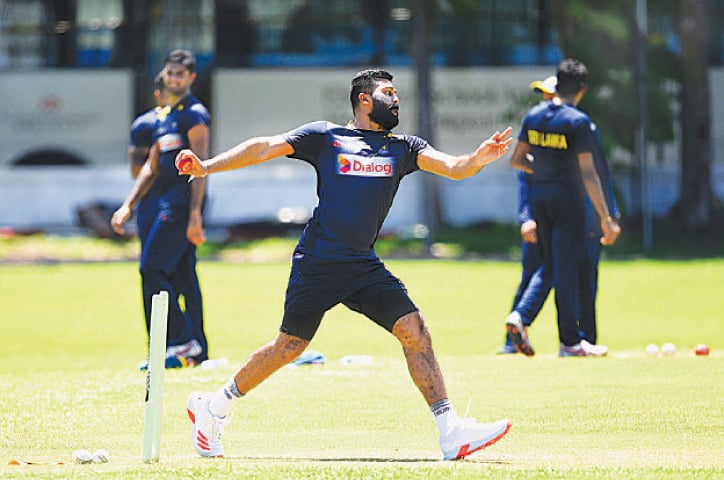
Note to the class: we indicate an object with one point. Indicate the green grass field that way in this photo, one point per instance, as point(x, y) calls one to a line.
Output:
point(74, 336)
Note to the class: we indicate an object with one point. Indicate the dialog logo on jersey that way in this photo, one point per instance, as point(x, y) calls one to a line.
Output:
point(359, 166)
point(169, 142)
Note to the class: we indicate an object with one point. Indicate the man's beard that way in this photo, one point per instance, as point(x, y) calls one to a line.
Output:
point(382, 114)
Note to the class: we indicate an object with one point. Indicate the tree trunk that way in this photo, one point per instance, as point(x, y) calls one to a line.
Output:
point(695, 207)
point(423, 17)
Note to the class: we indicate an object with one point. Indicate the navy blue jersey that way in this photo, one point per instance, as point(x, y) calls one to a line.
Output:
point(525, 212)
point(142, 137)
point(142, 129)
point(171, 134)
point(604, 173)
point(524, 183)
point(358, 174)
point(556, 133)
point(599, 161)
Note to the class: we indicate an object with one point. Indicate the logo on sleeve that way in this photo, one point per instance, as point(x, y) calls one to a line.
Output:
point(359, 166)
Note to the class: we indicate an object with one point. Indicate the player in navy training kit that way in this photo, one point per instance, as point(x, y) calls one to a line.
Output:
point(170, 224)
point(560, 140)
point(141, 143)
point(141, 137)
point(534, 286)
point(593, 246)
point(359, 167)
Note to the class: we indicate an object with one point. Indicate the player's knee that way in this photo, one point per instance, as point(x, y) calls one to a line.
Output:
point(289, 346)
point(411, 331)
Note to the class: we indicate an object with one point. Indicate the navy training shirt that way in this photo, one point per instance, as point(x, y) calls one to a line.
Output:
point(142, 129)
point(171, 134)
point(525, 212)
point(599, 160)
point(358, 174)
point(556, 133)
point(142, 137)
point(604, 173)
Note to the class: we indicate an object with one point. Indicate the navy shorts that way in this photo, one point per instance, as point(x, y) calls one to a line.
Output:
point(318, 284)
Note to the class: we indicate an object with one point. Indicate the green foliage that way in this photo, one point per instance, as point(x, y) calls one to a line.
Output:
point(70, 381)
point(490, 240)
point(603, 34)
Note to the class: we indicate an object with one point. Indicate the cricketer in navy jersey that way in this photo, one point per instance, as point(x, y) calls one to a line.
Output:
point(170, 223)
point(168, 259)
point(141, 147)
point(141, 135)
point(556, 133)
point(358, 174)
point(359, 168)
point(534, 286)
point(141, 141)
point(171, 136)
point(555, 145)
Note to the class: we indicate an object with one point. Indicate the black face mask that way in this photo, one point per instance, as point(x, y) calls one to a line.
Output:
point(382, 114)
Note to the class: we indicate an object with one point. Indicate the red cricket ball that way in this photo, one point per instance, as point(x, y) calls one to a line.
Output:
point(702, 349)
point(184, 164)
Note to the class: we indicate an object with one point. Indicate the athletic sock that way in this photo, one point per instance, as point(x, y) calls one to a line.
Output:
point(223, 400)
point(444, 413)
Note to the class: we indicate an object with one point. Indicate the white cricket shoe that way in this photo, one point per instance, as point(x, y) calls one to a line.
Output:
point(192, 348)
point(466, 436)
point(208, 429)
point(518, 334)
point(583, 349)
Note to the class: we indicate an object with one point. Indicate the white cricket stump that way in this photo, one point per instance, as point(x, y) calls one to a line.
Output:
point(154, 378)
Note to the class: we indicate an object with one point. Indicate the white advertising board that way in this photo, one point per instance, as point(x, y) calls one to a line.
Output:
point(83, 114)
point(468, 106)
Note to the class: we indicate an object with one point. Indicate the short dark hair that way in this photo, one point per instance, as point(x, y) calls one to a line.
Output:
point(183, 57)
point(572, 75)
point(159, 82)
point(365, 82)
